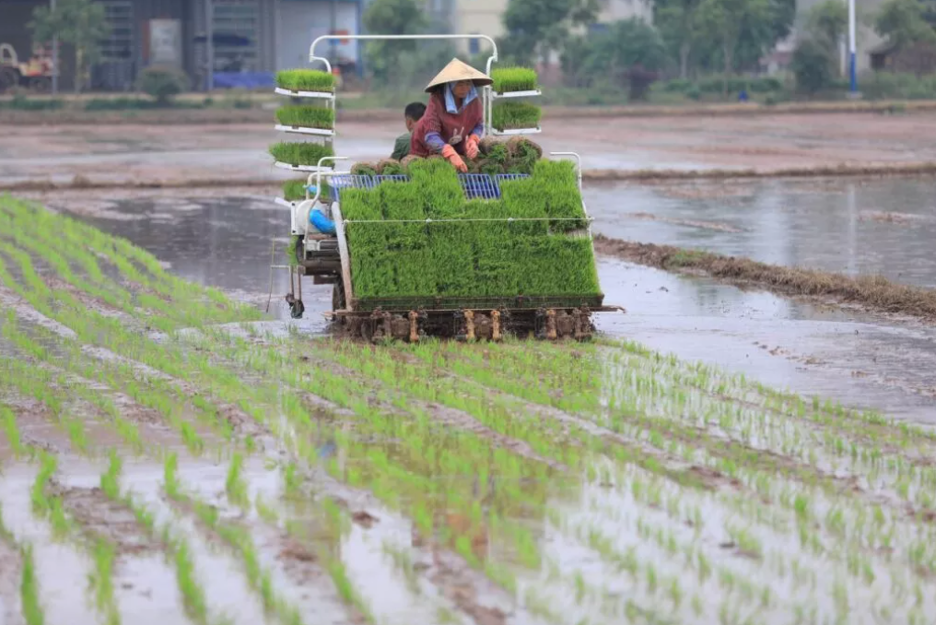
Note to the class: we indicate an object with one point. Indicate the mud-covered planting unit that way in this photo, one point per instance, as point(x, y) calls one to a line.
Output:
point(415, 249)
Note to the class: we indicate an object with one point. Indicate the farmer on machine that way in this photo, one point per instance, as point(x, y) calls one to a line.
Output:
point(454, 119)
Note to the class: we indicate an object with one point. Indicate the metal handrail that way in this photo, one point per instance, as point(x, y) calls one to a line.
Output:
point(318, 184)
point(486, 100)
point(313, 58)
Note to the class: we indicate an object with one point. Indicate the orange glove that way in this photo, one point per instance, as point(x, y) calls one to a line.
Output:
point(471, 146)
point(449, 153)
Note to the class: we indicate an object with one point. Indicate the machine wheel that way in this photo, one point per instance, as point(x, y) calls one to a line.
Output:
point(297, 309)
point(9, 78)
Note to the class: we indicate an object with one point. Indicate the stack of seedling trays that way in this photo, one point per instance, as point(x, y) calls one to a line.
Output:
point(510, 116)
point(310, 116)
point(437, 240)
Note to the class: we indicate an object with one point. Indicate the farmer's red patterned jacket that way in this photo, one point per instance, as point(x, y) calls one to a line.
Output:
point(438, 124)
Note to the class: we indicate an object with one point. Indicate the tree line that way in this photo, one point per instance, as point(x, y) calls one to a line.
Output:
point(686, 39)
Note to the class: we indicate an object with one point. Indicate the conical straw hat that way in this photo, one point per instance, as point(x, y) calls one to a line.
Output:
point(457, 70)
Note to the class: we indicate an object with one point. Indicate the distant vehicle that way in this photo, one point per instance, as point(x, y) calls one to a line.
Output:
point(35, 74)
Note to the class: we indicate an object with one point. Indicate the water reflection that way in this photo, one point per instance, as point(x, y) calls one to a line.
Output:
point(877, 227)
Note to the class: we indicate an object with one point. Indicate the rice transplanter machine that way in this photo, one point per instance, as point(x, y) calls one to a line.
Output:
point(322, 251)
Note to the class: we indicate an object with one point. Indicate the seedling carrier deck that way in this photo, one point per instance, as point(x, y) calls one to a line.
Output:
point(323, 249)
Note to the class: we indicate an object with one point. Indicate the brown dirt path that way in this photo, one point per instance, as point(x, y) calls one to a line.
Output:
point(160, 154)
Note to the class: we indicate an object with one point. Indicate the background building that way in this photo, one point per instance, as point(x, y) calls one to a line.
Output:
point(251, 38)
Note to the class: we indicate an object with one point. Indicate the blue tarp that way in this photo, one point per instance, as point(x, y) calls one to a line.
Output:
point(244, 80)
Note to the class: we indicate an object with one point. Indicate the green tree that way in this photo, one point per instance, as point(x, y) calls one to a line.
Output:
point(537, 27)
point(678, 21)
point(630, 52)
point(391, 17)
point(828, 20)
point(902, 23)
point(81, 23)
point(759, 36)
point(813, 64)
point(726, 21)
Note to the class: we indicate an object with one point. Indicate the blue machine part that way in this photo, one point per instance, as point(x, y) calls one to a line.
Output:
point(356, 181)
point(482, 186)
point(322, 223)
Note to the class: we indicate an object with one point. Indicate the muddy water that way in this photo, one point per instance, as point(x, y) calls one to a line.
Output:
point(846, 355)
point(224, 242)
point(811, 350)
point(874, 227)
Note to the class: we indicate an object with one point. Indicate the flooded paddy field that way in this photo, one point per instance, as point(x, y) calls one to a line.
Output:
point(884, 226)
point(170, 453)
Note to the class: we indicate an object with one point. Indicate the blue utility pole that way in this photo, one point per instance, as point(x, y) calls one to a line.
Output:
point(852, 60)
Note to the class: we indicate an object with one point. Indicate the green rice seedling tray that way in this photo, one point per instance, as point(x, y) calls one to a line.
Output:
point(512, 80)
point(309, 120)
point(305, 83)
point(422, 242)
point(507, 116)
point(300, 154)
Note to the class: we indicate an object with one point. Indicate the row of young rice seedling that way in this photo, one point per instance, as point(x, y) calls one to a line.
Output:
point(41, 376)
point(47, 504)
point(29, 590)
point(572, 400)
point(626, 391)
point(471, 493)
point(834, 514)
point(319, 534)
point(73, 374)
point(176, 549)
point(235, 536)
point(385, 470)
point(444, 506)
point(94, 327)
point(860, 424)
point(731, 552)
point(60, 238)
point(157, 363)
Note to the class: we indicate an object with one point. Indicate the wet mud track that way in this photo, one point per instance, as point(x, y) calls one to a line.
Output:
point(226, 467)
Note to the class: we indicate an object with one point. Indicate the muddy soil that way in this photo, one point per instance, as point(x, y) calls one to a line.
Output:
point(147, 153)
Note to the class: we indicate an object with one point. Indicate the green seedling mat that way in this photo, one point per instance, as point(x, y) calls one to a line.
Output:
point(470, 255)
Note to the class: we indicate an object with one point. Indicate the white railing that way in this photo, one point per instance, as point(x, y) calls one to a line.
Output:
point(486, 93)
